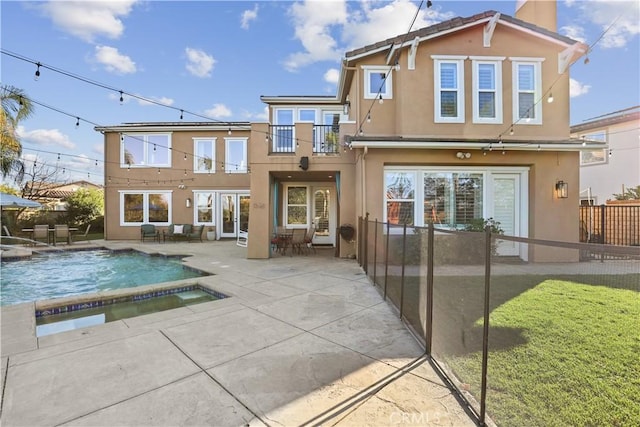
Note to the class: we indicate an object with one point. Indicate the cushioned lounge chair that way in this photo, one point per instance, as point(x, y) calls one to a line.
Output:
point(149, 231)
point(196, 233)
point(177, 232)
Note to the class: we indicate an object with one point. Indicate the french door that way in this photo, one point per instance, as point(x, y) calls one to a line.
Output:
point(506, 210)
point(234, 213)
point(324, 215)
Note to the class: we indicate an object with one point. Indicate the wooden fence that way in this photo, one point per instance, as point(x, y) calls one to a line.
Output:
point(610, 224)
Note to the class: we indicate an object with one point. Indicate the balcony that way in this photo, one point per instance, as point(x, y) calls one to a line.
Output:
point(324, 139)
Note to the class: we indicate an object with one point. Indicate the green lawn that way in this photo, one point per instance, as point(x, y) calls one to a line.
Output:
point(564, 351)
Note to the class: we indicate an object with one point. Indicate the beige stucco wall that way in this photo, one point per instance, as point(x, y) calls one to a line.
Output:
point(550, 218)
point(181, 143)
point(411, 111)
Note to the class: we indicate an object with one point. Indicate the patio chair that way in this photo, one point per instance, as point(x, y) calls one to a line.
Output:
point(196, 233)
point(243, 238)
point(61, 232)
point(149, 231)
point(83, 236)
point(177, 232)
point(40, 233)
point(308, 239)
point(297, 239)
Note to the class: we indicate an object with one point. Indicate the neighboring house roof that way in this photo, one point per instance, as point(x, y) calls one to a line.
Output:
point(58, 191)
point(621, 116)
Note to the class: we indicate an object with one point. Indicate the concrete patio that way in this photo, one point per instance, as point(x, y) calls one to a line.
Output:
point(303, 340)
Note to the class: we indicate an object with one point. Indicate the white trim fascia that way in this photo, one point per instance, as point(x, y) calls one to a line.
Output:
point(276, 100)
point(489, 28)
point(487, 58)
point(482, 145)
point(449, 57)
point(526, 59)
point(534, 33)
point(169, 129)
point(413, 50)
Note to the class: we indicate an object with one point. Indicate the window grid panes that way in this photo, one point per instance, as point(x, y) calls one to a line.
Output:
point(448, 92)
point(146, 207)
point(400, 197)
point(204, 159)
point(145, 150)
point(378, 83)
point(486, 91)
point(594, 157)
point(296, 209)
point(204, 208)
point(235, 156)
point(452, 199)
point(526, 91)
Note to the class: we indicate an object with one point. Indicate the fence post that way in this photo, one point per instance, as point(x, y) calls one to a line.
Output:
point(375, 251)
point(386, 263)
point(429, 321)
point(365, 241)
point(603, 222)
point(485, 330)
point(404, 252)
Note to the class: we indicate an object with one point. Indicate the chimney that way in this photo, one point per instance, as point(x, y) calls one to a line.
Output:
point(542, 13)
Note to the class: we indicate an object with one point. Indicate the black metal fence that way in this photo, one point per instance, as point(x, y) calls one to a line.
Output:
point(610, 224)
point(536, 338)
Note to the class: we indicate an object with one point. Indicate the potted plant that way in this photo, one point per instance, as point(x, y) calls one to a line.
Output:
point(331, 142)
point(211, 232)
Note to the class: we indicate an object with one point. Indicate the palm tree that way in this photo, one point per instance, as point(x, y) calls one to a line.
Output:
point(15, 108)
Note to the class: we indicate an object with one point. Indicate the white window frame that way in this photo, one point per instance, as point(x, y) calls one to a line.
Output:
point(414, 174)
point(146, 149)
point(196, 158)
point(458, 61)
point(595, 136)
point(537, 91)
point(487, 195)
point(315, 115)
point(214, 196)
point(388, 82)
point(230, 167)
point(145, 207)
point(285, 207)
point(477, 61)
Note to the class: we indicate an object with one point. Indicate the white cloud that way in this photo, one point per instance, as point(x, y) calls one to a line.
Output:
point(199, 63)
point(89, 19)
point(98, 148)
point(575, 32)
point(332, 75)
point(218, 111)
point(317, 23)
point(114, 61)
point(45, 137)
point(248, 16)
point(618, 18)
point(576, 88)
point(161, 100)
point(263, 116)
point(390, 20)
point(313, 21)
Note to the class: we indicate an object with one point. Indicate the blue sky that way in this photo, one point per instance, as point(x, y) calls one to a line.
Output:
point(215, 58)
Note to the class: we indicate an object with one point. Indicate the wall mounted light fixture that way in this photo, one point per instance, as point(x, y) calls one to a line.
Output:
point(462, 155)
point(188, 202)
point(346, 106)
point(562, 190)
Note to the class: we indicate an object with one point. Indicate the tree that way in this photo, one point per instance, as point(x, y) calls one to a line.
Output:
point(15, 108)
point(629, 194)
point(85, 205)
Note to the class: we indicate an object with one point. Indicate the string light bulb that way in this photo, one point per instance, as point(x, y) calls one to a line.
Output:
point(121, 98)
point(181, 114)
point(37, 75)
point(586, 60)
point(550, 98)
point(368, 117)
point(429, 3)
point(511, 130)
point(380, 100)
point(229, 132)
point(77, 122)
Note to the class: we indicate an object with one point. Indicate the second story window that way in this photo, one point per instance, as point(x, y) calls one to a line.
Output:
point(204, 155)
point(487, 90)
point(594, 157)
point(378, 82)
point(283, 132)
point(145, 150)
point(527, 81)
point(449, 89)
point(235, 155)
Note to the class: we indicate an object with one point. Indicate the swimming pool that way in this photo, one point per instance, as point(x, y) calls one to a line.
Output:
point(78, 272)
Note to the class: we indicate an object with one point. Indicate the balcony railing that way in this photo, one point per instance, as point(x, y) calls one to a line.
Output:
point(282, 138)
point(326, 139)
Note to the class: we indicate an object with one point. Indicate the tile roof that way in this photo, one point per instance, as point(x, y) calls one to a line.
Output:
point(454, 23)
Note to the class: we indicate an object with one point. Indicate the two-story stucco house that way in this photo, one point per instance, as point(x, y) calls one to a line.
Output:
point(180, 173)
point(608, 171)
point(444, 124)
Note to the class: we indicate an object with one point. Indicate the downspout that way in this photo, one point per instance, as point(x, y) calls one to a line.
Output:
point(364, 181)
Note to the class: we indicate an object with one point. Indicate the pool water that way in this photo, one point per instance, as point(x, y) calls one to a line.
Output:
point(78, 272)
point(56, 323)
